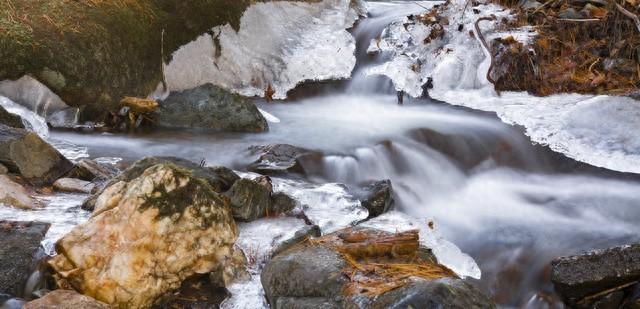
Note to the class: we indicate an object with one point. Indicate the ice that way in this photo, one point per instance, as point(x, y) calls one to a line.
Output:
point(446, 252)
point(257, 239)
point(279, 43)
point(328, 205)
point(31, 120)
point(597, 130)
point(34, 96)
point(62, 210)
point(268, 116)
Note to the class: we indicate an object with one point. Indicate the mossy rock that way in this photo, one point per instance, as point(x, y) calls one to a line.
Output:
point(94, 52)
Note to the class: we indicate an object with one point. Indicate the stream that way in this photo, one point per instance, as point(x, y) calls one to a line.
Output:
point(510, 205)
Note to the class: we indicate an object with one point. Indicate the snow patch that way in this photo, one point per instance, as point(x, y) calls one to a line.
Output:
point(279, 43)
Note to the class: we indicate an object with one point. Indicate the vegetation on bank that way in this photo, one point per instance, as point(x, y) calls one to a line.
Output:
point(583, 46)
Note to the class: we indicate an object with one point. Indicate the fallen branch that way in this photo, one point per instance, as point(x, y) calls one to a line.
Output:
point(579, 20)
point(485, 45)
point(605, 292)
point(625, 12)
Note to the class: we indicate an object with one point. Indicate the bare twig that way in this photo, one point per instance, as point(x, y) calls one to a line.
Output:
point(485, 45)
point(605, 292)
point(579, 20)
point(164, 78)
point(624, 11)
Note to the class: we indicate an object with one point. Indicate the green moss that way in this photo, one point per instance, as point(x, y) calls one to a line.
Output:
point(196, 195)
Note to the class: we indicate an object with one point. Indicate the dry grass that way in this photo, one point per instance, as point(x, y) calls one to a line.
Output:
point(379, 262)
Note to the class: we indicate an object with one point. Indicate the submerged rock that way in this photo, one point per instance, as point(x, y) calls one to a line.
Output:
point(63, 299)
point(209, 107)
point(15, 195)
point(145, 237)
point(19, 243)
point(9, 119)
point(345, 270)
point(73, 185)
point(377, 197)
point(278, 159)
point(579, 276)
point(3, 169)
point(219, 178)
point(25, 153)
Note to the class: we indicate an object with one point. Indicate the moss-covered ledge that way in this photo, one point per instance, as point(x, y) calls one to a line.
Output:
point(93, 52)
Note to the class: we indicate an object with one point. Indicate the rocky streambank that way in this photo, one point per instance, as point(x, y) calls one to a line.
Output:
point(166, 227)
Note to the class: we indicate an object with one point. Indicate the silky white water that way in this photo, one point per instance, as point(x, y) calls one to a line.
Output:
point(510, 205)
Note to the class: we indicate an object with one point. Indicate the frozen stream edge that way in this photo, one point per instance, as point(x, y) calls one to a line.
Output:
point(598, 130)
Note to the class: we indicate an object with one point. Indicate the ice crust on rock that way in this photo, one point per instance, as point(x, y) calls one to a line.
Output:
point(279, 43)
point(38, 98)
point(30, 119)
point(446, 252)
point(598, 130)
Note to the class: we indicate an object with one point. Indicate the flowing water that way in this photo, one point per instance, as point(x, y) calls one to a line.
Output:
point(509, 204)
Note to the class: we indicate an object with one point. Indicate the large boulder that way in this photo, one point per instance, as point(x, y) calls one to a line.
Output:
point(65, 299)
point(145, 237)
point(578, 277)
point(209, 107)
point(9, 119)
point(358, 268)
point(15, 195)
point(25, 153)
point(19, 243)
point(219, 178)
point(279, 159)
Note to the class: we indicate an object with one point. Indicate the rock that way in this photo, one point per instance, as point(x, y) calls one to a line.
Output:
point(145, 237)
point(282, 203)
point(576, 277)
point(15, 195)
point(232, 270)
point(3, 170)
point(317, 275)
point(93, 171)
point(209, 107)
point(570, 13)
point(19, 243)
point(9, 119)
point(306, 232)
point(249, 200)
point(278, 159)
point(440, 293)
point(377, 197)
point(219, 178)
point(65, 299)
point(73, 185)
point(13, 303)
point(529, 4)
point(197, 292)
point(307, 272)
point(26, 153)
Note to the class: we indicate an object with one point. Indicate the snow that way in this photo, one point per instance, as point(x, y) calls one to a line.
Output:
point(446, 252)
point(598, 130)
point(279, 43)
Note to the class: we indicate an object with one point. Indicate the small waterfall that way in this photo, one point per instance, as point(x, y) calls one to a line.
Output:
point(31, 120)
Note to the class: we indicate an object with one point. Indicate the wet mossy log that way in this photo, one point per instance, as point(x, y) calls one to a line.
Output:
point(92, 53)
